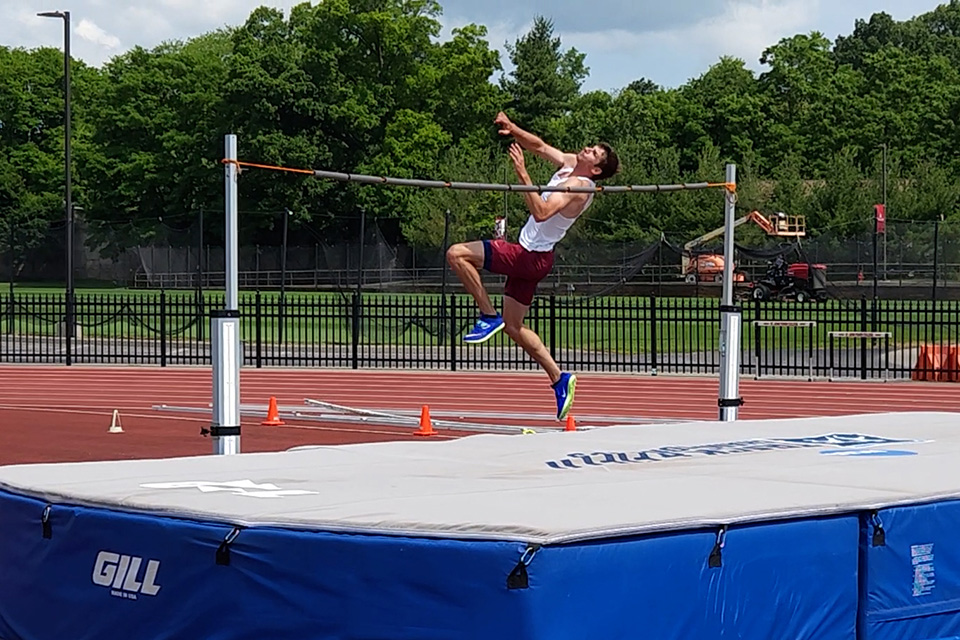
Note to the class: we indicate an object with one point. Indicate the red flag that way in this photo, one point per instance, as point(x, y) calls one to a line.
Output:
point(881, 217)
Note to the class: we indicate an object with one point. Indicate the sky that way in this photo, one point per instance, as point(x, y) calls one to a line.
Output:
point(666, 41)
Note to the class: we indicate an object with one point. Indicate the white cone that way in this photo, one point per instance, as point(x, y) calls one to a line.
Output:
point(115, 426)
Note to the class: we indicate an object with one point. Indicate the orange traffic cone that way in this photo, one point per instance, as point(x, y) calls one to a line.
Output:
point(426, 428)
point(571, 423)
point(273, 416)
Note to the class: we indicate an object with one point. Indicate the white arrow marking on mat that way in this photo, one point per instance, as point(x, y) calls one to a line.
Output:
point(237, 487)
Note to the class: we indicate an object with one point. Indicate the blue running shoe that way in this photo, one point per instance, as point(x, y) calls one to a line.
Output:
point(564, 389)
point(485, 328)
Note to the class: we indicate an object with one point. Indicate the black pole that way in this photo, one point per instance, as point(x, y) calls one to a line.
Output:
point(876, 234)
point(283, 272)
point(443, 278)
point(357, 296)
point(66, 148)
point(13, 271)
point(446, 239)
point(363, 222)
point(13, 274)
point(200, 305)
point(68, 196)
point(660, 266)
point(863, 341)
point(506, 177)
point(886, 213)
point(200, 252)
point(69, 185)
point(936, 256)
point(283, 254)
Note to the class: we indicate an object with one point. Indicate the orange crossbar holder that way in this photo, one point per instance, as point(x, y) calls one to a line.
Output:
point(267, 166)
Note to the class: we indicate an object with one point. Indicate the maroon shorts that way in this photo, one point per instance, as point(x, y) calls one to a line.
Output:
point(524, 269)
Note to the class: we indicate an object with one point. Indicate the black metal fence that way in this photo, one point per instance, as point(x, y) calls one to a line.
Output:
point(862, 339)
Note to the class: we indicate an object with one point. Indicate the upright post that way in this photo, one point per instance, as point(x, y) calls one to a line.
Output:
point(231, 239)
point(225, 326)
point(729, 401)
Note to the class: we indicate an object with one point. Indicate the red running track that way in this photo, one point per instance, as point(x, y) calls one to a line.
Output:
point(59, 414)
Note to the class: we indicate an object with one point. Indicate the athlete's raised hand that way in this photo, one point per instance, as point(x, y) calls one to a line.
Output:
point(519, 164)
point(505, 124)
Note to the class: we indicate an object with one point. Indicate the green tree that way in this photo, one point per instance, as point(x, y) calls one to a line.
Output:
point(472, 213)
point(453, 84)
point(545, 80)
point(157, 141)
point(32, 143)
point(722, 107)
point(840, 203)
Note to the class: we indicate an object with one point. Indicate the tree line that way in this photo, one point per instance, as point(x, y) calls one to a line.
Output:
point(368, 86)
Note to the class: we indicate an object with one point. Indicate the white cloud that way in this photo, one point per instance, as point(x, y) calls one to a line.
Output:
point(743, 30)
point(671, 55)
point(90, 32)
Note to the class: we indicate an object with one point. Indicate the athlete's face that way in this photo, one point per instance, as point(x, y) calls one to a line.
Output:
point(592, 156)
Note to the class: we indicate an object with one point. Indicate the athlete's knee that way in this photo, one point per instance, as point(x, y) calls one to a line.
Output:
point(455, 253)
point(513, 328)
point(464, 253)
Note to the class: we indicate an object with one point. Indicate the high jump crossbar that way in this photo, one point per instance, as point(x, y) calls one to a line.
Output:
point(226, 351)
point(480, 186)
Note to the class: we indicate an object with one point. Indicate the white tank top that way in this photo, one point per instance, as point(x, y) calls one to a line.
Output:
point(542, 236)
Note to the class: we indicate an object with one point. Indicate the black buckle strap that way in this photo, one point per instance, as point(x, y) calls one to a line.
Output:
point(716, 559)
point(730, 402)
point(218, 431)
point(45, 521)
point(223, 551)
point(519, 578)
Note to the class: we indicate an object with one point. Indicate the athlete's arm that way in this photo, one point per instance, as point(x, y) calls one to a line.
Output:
point(534, 144)
point(557, 201)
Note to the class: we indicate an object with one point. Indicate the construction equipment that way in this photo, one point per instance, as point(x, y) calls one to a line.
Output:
point(799, 281)
point(708, 267)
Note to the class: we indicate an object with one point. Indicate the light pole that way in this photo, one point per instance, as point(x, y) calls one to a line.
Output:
point(68, 204)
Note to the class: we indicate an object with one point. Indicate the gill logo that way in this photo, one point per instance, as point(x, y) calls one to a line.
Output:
point(122, 574)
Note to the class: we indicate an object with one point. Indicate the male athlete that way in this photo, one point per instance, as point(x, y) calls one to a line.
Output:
point(529, 261)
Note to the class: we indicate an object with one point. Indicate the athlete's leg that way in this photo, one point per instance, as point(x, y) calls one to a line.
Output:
point(514, 313)
point(466, 260)
point(563, 383)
